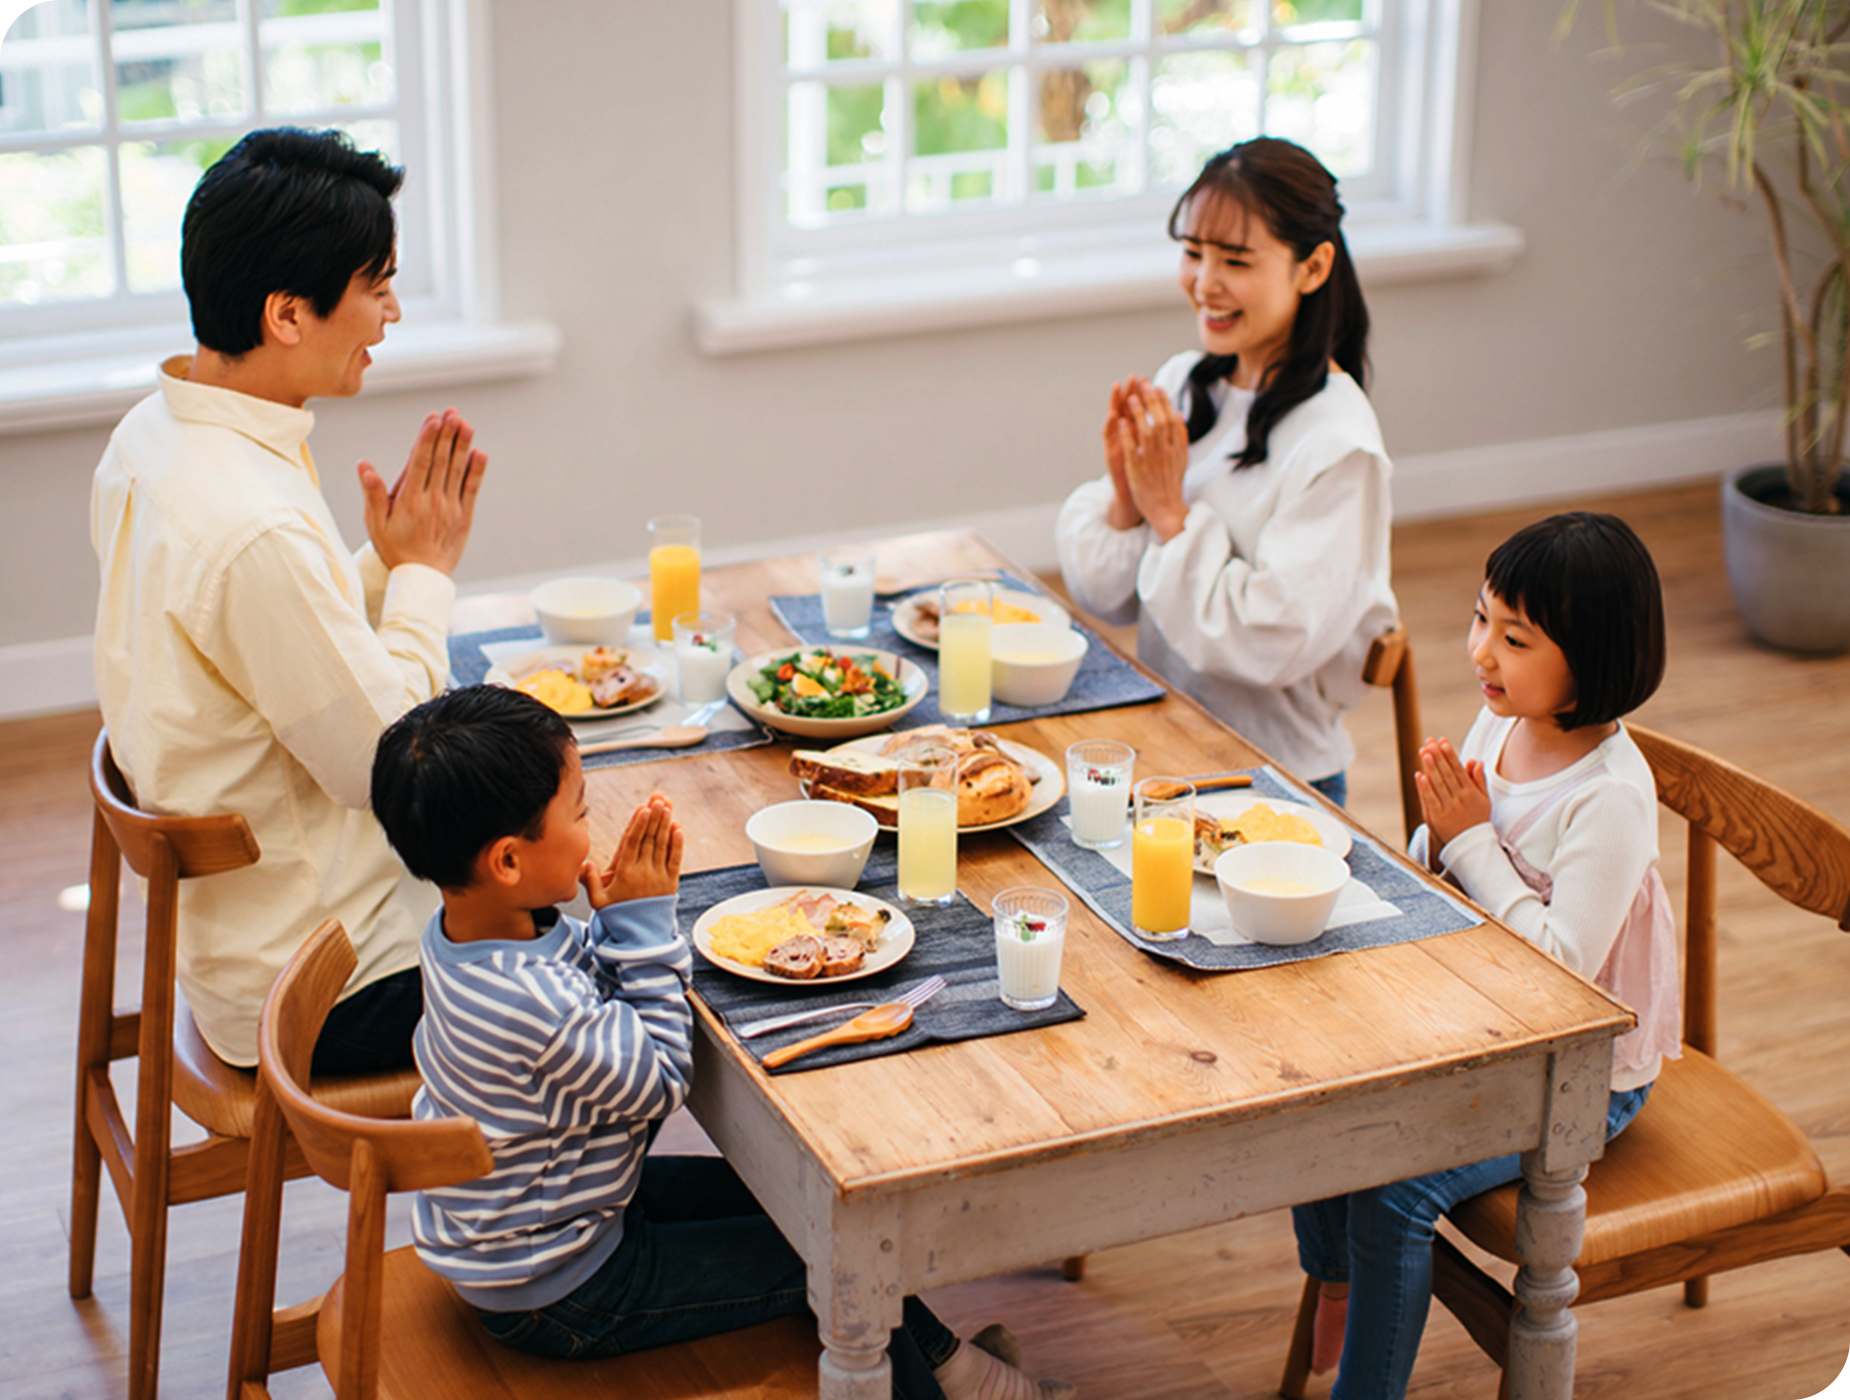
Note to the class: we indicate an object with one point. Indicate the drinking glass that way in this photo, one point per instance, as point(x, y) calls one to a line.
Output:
point(702, 655)
point(927, 824)
point(1098, 785)
point(1030, 936)
point(1162, 859)
point(847, 587)
point(674, 571)
point(964, 606)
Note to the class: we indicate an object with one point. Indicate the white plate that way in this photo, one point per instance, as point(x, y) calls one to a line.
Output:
point(566, 659)
point(1048, 778)
point(906, 613)
point(895, 941)
point(1227, 805)
point(911, 678)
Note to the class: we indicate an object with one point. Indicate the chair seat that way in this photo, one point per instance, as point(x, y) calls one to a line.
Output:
point(436, 1348)
point(1707, 1153)
point(221, 1098)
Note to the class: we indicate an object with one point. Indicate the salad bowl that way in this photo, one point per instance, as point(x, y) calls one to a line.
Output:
point(810, 692)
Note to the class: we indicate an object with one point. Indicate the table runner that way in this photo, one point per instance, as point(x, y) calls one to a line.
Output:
point(1402, 908)
point(956, 942)
point(471, 654)
point(1105, 680)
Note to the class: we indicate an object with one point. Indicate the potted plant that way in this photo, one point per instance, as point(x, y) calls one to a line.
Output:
point(1768, 108)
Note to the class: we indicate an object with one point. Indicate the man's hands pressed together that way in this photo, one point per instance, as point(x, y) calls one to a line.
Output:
point(426, 516)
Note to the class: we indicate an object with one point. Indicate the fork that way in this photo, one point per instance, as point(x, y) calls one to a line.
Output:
point(914, 997)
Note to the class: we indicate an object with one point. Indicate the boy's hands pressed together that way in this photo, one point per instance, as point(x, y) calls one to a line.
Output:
point(1454, 796)
point(647, 861)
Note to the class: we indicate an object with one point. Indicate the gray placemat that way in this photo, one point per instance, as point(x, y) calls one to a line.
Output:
point(956, 942)
point(1105, 679)
point(469, 665)
point(1424, 911)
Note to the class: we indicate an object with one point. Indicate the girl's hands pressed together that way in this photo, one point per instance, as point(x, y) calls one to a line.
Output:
point(1454, 796)
point(1123, 514)
point(1153, 446)
point(647, 861)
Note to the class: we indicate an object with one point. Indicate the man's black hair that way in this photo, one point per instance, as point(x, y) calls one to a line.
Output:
point(460, 772)
point(284, 210)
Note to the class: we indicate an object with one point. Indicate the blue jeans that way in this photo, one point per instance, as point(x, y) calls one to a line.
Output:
point(699, 1256)
point(1335, 787)
point(1380, 1242)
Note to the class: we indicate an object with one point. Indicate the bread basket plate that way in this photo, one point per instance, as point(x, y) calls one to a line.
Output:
point(1228, 805)
point(895, 942)
point(910, 677)
point(1047, 777)
point(906, 613)
point(518, 668)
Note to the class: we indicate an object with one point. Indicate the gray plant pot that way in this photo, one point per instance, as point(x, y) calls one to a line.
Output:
point(1790, 572)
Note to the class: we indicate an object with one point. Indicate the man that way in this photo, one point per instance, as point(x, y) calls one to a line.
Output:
point(246, 660)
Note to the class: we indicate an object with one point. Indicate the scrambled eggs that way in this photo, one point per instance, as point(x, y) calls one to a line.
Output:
point(746, 938)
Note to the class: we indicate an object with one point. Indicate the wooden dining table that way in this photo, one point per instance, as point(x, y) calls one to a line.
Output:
point(1181, 1099)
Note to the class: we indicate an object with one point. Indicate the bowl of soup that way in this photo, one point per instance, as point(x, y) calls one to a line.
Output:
point(1033, 663)
point(586, 611)
point(812, 843)
point(1280, 892)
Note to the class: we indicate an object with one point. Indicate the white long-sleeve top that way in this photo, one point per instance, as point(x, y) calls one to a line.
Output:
point(1264, 606)
point(247, 661)
point(563, 1049)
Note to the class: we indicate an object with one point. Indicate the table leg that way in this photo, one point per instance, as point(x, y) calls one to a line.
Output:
point(1551, 1214)
point(854, 1373)
point(856, 1292)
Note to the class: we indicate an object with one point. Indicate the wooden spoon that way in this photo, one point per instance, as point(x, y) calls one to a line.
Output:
point(676, 736)
point(1164, 791)
point(877, 1024)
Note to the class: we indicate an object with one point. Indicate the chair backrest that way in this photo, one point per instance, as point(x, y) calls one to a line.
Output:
point(1390, 664)
point(200, 845)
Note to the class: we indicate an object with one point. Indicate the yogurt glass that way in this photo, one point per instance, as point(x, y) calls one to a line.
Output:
point(702, 655)
point(1098, 787)
point(847, 588)
point(1030, 938)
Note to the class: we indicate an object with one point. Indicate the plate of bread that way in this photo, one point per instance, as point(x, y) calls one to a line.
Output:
point(999, 782)
point(915, 617)
point(586, 683)
point(1226, 820)
point(789, 934)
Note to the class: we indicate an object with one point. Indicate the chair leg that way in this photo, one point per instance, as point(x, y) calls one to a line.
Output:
point(1073, 1268)
point(1696, 1291)
point(86, 1193)
point(252, 1322)
point(1297, 1359)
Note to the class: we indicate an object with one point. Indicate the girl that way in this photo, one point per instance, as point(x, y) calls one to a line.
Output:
point(1547, 818)
point(1247, 526)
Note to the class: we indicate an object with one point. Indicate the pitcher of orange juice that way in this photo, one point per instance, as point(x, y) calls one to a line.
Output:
point(1162, 859)
point(674, 571)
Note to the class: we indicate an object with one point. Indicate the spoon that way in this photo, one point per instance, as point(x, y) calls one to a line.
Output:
point(877, 1024)
point(675, 736)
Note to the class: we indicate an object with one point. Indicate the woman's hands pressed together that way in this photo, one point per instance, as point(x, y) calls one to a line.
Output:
point(1454, 796)
point(1146, 452)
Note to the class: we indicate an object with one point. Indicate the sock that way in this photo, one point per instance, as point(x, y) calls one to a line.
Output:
point(1326, 1333)
point(973, 1374)
point(1000, 1343)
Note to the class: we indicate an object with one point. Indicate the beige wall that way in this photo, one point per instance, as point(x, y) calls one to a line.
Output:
point(1628, 308)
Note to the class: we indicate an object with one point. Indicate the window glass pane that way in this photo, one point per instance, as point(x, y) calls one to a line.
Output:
point(1203, 16)
point(835, 144)
point(157, 180)
point(1322, 96)
point(52, 243)
point(833, 31)
point(1200, 103)
point(942, 27)
point(960, 132)
point(1085, 129)
point(1081, 21)
point(48, 70)
point(319, 54)
point(1286, 12)
point(177, 60)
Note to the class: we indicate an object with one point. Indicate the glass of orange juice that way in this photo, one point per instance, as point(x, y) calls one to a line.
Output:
point(1162, 858)
point(674, 571)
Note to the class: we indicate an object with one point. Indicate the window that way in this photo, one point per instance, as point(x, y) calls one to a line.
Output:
point(940, 148)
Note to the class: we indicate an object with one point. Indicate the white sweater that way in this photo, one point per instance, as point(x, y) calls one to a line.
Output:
point(1263, 607)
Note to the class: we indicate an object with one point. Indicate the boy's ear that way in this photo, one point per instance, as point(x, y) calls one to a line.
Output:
point(283, 313)
point(500, 863)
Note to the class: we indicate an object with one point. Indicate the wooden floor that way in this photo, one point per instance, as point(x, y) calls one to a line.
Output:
point(1195, 1317)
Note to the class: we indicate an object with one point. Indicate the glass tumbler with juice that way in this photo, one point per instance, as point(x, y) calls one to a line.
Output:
point(927, 824)
point(1162, 859)
point(674, 571)
point(1030, 937)
point(964, 625)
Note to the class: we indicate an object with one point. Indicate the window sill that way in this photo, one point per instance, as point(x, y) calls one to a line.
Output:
point(1077, 283)
point(96, 379)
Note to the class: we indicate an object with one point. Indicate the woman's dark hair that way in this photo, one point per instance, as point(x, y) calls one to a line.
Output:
point(1588, 582)
point(284, 210)
point(1287, 187)
point(461, 771)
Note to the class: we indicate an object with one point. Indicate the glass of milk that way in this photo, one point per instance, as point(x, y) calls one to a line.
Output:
point(1098, 785)
point(702, 655)
point(1030, 936)
point(847, 590)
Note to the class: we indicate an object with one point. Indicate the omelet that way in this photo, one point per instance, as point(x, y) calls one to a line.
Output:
point(1260, 822)
point(558, 689)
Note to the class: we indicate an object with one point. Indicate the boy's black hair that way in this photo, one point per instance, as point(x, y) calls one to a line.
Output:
point(461, 771)
point(284, 210)
point(1588, 582)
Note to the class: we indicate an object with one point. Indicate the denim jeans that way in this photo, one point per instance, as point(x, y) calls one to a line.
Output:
point(699, 1256)
point(1380, 1242)
point(1335, 787)
point(370, 1031)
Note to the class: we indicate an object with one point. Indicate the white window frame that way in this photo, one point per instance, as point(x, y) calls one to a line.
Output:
point(1405, 221)
point(81, 362)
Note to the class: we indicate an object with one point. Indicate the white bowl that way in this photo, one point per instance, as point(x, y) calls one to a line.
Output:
point(1033, 663)
point(911, 680)
point(586, 611)
point(1272, 916)
point(847, 833)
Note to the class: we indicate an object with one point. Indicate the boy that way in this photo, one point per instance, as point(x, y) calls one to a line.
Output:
point(569, 1043)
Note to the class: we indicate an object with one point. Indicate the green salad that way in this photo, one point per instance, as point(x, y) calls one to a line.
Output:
point(822, 685)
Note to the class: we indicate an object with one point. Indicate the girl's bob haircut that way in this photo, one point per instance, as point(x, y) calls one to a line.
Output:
point(1588, 582)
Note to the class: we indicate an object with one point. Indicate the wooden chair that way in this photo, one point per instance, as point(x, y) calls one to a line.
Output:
point(1390, 664)
point(1711, 1176)
point(437, 1346)
point(175, 1066)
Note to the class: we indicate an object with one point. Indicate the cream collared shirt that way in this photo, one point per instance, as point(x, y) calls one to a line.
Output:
point(247, 662)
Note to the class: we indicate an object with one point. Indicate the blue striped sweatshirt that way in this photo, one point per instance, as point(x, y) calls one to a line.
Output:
point(564, 1049)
